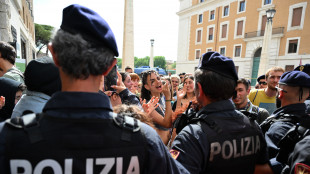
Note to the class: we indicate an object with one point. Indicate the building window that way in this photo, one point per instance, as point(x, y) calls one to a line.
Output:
point(289, 68)
point(296, 16)
point(237, 51)
point(199, 18)
point(222, 50)
point(241, 6)
point(226, 11)
point(198, 34)
point(224, 31)
point(210, 36)
point(212, 15)
point(197, 54)
point(239, 28)
point(292, 46)
point(263, 26)
point(209, 49)
point(201, 1)
point(266, 2)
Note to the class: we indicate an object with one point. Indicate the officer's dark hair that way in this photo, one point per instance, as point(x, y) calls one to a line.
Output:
point(146, 94)
point(79, 57)
point(124, 75)
point(214, 85)
point(245, 82)
point(7, 52)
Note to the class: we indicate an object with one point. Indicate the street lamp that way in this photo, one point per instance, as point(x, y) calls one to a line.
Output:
point(151, 56)
point(264, 59)
point(270, 14)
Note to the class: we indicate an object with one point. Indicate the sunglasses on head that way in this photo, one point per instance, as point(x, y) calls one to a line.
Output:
point(262, 83)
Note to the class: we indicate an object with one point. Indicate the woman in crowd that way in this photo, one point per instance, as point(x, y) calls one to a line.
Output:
point(126, 80)
point(162, 115)
point(186, 94)
point(135, 83)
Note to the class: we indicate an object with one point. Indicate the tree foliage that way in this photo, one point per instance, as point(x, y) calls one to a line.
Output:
point(160, 61)
point(119, 63)
point(43, 34)
point(142, 61)
point(174, 65)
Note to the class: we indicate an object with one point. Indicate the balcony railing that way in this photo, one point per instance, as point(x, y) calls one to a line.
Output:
point(259, 33)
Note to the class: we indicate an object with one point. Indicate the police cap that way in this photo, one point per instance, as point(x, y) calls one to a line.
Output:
point(261, 77)
point(295, 78)
point(215, 62)
point(77, 19)
point(304, 68)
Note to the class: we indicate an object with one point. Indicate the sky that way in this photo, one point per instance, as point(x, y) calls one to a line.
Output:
point(153, 19)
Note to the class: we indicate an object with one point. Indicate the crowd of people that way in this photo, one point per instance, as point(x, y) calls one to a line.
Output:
point(61, 115)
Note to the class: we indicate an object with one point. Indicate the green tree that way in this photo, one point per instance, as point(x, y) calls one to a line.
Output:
point(174, 65)
point(119, 62)
point(142, 61)
point(43, 35)
point(160, 61)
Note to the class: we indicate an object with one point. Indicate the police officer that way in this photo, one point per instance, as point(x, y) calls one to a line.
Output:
point(292, 91)
point(77, 131)
point(223, 140)
point(305, 68)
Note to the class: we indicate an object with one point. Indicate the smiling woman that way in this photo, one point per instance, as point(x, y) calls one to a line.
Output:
point(162, 115)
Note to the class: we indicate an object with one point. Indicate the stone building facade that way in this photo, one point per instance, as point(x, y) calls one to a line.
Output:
point(17, 27)
point(235, 28)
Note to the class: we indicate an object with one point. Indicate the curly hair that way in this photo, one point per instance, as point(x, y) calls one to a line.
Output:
point(80, 57)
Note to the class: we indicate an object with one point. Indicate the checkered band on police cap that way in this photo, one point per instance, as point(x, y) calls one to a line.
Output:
point(82, 20)
point(213, 61)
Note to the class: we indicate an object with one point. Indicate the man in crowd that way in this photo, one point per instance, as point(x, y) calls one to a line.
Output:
point(243, 103)
point(181, 75)
point(216, 143)
point(266, 98)
point(262, 83)
point(175, 81)
point(293, 90)
point(77, 131)
point(128, 69)
point(7, 61)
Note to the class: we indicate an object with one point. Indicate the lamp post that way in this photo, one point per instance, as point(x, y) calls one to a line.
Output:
point(151, 56)
point(264, 59)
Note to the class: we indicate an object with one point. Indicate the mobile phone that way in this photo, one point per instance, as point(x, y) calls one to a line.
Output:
point(110, 79)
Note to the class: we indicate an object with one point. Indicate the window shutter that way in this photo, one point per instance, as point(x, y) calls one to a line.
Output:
point(239, 28)
point(296, 16)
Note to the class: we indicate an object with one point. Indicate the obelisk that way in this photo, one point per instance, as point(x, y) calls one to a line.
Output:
point(128, 39)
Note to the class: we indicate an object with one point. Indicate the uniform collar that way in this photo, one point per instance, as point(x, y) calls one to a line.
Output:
point(78, 100)
point(297, 109)
point(223, 105)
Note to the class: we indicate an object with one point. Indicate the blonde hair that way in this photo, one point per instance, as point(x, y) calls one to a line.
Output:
point(275, 69)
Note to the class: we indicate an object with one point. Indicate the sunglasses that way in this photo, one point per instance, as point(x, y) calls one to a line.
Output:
point(262, 83)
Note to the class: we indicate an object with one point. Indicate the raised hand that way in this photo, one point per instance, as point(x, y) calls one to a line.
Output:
point(166, 91)
point(119, 87)
point(150, 106)
point(180, 94)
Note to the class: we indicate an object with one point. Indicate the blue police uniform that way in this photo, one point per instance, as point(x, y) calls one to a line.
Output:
point(278, 129)
point(76, 109)
point(299, 160)
point(235, 149)
point(286, 117)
